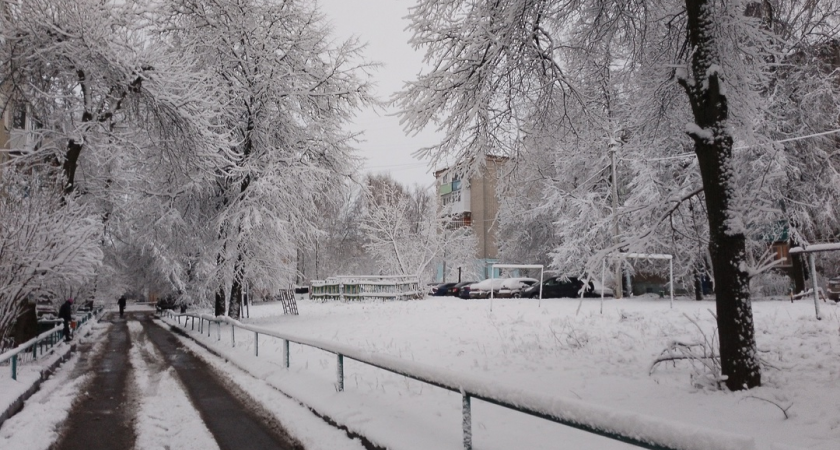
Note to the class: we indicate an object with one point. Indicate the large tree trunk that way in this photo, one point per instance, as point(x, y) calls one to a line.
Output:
point(713, 145)
point(71, 161)
point(235, 307)
point(220, 302)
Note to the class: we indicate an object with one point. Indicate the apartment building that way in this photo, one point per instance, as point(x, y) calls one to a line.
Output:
point(473, 203)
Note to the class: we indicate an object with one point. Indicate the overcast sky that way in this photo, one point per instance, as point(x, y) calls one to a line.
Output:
point(381, 24)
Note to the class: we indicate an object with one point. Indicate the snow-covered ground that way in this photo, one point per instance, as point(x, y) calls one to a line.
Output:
point(554, 349)
point(558, 348)
point(37, 425)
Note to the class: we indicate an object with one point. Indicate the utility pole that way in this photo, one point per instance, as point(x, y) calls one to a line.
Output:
point(620, 262)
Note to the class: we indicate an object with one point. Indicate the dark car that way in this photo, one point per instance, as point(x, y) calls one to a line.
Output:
point(456, 290)
point(442, 289)
point(301, 289)
point(464, 293)
point(560, 287)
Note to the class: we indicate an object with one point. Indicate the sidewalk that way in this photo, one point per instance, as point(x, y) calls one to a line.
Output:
point(138, 387)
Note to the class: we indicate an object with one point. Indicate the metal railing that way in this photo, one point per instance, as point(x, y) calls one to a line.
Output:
point(634, 429)
point(41, 344)
point(361, 287)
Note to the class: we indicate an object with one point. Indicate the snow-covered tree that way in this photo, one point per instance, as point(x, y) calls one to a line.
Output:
point(112, 104)
point(287, 92)
point(582, 79)
point(48, 247)
point(405, 233)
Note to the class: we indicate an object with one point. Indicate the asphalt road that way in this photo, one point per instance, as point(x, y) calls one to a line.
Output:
point(102, 417)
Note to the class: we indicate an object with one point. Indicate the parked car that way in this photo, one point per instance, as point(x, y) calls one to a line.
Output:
point(557, 287)
point(833, 289)
point(301, 289)
point(482, 288)
point(442, 289)
point(430, 288)
point(168, 302)
point(597, 287)
point(464, 293)
point(456, 290)
point(513, 287)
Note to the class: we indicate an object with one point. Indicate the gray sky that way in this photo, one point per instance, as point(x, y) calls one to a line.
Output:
point(381, 25)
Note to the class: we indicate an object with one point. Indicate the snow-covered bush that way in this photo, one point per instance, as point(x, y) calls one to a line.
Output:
point(769, 284)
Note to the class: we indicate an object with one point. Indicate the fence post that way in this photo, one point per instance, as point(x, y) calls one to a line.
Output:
point(286, 353)
point(340, 370)
point(256, 344)
point(232, 335)
point(14, 367)
point(467, 421)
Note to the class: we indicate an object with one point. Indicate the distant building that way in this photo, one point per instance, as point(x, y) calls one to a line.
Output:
point(15, 123)
point(473, 203)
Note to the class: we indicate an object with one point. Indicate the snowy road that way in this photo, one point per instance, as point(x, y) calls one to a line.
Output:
point(135, 386)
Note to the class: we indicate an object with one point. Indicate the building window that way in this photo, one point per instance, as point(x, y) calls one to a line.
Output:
point(19, 116)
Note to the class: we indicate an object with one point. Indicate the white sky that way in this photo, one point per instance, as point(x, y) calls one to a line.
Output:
point(381, 24)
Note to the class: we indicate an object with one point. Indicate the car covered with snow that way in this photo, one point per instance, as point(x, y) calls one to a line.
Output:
point(482, 288)
point(513, 287)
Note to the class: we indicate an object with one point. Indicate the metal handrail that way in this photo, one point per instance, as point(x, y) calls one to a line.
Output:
point(641, 431)
point(47, 340)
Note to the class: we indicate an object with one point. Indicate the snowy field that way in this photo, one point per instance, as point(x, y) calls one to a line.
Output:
point(558, 348)
point(555, 349)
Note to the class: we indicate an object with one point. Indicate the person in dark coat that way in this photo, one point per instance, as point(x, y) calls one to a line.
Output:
point(121, 302)
point(66, 313)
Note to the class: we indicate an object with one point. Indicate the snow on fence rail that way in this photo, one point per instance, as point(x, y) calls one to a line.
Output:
point(44, 341)
point(384, 287)
point(635, 429)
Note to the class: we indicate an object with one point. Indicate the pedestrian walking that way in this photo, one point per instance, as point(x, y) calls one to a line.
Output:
point(66, 314)
point(121, 302)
